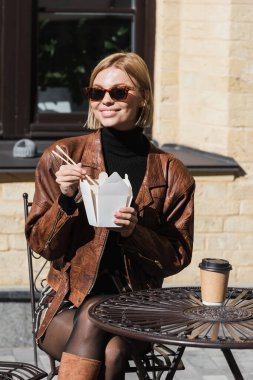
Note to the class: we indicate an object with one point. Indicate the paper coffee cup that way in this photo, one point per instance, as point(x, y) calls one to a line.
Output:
point(214, 275)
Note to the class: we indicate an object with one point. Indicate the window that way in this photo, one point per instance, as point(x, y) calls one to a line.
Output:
point(49, 48)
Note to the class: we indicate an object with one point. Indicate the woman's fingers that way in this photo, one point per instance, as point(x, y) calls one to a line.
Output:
point(126, 217)
point(68, 177)
point(71, 170)
point(126, 214)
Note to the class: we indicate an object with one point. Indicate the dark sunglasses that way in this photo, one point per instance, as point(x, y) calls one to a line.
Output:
point(116, 92)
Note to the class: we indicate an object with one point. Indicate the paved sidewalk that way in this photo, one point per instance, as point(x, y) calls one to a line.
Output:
point(200, 364)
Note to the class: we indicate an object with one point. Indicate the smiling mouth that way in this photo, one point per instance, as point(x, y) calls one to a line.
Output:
point(108, 113)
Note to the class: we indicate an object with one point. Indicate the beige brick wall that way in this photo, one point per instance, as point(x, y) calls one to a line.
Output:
point(167, 76)
point(214, 108)
point(222, 229)
point(13, 259)
point(204, 99)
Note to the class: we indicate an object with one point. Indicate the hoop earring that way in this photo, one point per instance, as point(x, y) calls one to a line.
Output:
point(140, 118)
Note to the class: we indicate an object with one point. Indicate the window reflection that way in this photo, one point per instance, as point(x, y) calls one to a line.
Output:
point(69, 46)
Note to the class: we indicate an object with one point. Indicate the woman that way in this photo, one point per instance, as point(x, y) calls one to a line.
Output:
point(156, 235)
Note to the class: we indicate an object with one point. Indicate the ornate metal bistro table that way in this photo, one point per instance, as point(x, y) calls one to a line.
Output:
point(176, 316)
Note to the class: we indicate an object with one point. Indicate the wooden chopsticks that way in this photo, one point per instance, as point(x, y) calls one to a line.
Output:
point(69, 160)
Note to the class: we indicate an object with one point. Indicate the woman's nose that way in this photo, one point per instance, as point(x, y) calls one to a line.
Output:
point(107, 98)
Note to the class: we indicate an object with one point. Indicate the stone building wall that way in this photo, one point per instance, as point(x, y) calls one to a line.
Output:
point(13, 258)
point(212, 100)
point(203, 99)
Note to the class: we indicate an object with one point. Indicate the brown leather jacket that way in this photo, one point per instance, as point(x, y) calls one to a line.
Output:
point(160, 246)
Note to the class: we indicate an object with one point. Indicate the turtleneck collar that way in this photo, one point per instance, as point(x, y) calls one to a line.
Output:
point(125, 141)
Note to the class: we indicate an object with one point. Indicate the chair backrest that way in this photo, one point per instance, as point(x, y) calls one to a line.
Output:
point(36, 270)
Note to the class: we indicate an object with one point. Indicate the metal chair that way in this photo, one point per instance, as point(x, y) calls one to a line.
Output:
point(36, 284)
point(18, 371)
point(158, 360)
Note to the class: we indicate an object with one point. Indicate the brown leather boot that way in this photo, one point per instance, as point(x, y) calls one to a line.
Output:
point(73, 367)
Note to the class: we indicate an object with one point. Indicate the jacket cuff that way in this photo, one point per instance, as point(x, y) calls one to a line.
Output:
point(68, 204)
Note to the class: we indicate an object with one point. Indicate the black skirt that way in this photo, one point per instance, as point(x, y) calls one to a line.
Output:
point(106, 284)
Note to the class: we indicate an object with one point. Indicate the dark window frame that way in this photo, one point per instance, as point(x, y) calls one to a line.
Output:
point(18, 64)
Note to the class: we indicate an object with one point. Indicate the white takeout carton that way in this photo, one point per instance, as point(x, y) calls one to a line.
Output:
point(101, 201)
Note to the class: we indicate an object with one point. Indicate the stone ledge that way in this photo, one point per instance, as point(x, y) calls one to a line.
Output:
point(15, 296)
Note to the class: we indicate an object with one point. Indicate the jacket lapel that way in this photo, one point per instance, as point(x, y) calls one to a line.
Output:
point(154, 177)
point(93, 155)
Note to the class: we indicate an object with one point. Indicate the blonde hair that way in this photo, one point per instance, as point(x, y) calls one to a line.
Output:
point(135, 68)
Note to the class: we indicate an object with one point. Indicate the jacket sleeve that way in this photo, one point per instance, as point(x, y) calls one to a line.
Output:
point(48, 226)
point(167, 249)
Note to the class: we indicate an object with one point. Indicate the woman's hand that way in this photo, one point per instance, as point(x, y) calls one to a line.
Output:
point(127, 218)
point(68, 177)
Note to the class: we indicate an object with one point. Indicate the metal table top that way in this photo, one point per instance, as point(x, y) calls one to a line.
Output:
point(177, 316)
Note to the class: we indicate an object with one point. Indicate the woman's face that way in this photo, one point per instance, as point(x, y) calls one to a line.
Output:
point(122, 114)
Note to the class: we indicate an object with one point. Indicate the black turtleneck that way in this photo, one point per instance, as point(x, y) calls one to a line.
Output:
point(126, 152)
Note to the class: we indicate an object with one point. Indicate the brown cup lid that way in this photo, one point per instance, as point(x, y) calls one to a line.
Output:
point(215, 265)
